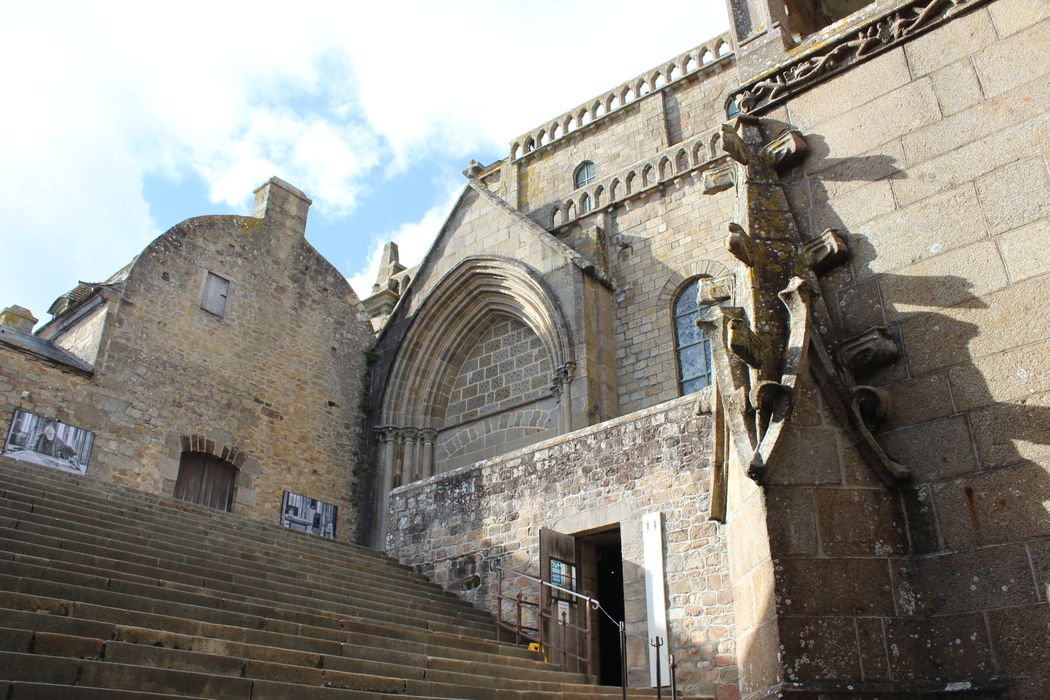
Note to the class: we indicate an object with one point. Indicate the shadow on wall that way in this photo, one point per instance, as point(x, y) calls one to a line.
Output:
point(971, 592)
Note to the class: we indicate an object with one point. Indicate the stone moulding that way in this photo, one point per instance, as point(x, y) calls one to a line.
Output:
point(826, 58)
point(761, 348)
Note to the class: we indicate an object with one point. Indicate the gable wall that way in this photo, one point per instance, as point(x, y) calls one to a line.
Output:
point(278, 379)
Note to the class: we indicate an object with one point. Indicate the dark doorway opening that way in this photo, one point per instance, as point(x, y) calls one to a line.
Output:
point(206, 480)
point(603, 572)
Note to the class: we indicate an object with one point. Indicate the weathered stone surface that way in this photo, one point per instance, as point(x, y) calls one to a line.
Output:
point(989, 578)
point(1029, 57)
point(860, 522)
point(934, 450)
point(939, 649)
point(993, 507)
point(835, 586)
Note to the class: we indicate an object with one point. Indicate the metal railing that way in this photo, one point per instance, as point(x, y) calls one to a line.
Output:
point(544, 614)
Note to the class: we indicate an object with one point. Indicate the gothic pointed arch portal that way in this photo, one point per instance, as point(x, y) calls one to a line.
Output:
point(487, 362)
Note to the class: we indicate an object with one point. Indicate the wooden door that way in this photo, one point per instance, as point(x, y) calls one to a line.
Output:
point(559, 564)
point(206, 480)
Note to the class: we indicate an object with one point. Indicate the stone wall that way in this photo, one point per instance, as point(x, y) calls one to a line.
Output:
point(507, 367)
point(931, 159)
point(274, 384)
point(473, 520)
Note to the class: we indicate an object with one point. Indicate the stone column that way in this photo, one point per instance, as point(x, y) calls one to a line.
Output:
point(408, 467)
point(427, 436)
point(563, 380)
point(387, 446)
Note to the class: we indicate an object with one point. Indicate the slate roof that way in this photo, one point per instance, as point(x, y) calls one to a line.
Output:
point(44, 349)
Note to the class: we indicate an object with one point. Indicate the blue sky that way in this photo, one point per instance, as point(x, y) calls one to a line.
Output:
point(124, 118)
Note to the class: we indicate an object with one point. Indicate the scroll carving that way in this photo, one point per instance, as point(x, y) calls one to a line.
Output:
point(872, 38)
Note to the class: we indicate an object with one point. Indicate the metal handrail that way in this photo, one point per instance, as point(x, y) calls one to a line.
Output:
point(592, 603)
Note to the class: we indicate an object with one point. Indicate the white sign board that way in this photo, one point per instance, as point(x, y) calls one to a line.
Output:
point(655, 604)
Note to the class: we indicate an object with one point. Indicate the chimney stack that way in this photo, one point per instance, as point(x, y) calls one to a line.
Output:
point(19, 318)
point(282, 204)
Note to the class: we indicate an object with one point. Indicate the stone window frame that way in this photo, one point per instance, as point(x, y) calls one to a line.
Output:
point(225, 296)
point(584, 174)
point(691, 285)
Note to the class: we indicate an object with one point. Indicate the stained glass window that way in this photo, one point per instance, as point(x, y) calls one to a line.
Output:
point(694, 350)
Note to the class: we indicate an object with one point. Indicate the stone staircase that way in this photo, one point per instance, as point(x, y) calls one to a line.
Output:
point(106, 592)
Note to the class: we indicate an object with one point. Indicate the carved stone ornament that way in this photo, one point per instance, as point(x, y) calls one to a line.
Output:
point(715, 290)
point(869, 350)
point(761, 347)
point(828, 58)
point(717, 180)
point(826, 251)
point(785, 150)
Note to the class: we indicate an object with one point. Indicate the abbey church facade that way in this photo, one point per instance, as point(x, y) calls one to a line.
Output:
point(752, 348)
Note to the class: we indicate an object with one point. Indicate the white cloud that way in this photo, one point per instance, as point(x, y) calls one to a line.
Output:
point(331, 97)
point(413, 240)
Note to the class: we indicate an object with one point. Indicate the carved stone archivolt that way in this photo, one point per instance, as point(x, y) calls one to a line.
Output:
point(778, 335)
point(870, 39)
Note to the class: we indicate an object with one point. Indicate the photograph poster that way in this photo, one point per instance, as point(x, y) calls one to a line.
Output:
point(48, 442)
point(308, 515)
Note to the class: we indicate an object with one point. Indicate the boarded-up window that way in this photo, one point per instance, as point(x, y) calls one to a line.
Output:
point(216, 292)
point(205, 479)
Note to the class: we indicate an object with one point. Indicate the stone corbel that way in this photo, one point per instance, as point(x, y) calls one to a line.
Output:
point(826, 251)
point(869, 350)
point(717, 180)
point(715, 290)
point(786, 149)
point(742, 246)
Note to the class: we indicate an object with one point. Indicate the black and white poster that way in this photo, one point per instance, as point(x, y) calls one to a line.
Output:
point(308, 515)
point(45, 441)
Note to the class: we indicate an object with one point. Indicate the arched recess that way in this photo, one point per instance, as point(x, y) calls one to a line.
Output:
point(432, 348)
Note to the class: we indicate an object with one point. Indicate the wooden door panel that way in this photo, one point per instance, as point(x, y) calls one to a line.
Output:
point(206, 480)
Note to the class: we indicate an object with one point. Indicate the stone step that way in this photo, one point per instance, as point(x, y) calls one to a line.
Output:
point(178, 673)
point(213, 562)
point(49, 481)
point(109, 593)
point(47, 691)
point(83, 639)
point(123, 609)
point(114, 593)
point(60, 618)
point(300, 546)
point(114, 581)
point(69, 556)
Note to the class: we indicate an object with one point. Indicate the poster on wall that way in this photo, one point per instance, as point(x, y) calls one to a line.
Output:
point(308, 515)
point(48, 442)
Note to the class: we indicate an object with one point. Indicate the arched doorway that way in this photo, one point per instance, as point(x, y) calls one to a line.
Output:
point(206, 480)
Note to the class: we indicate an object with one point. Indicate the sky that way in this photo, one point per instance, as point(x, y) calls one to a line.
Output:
point(122, 119)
